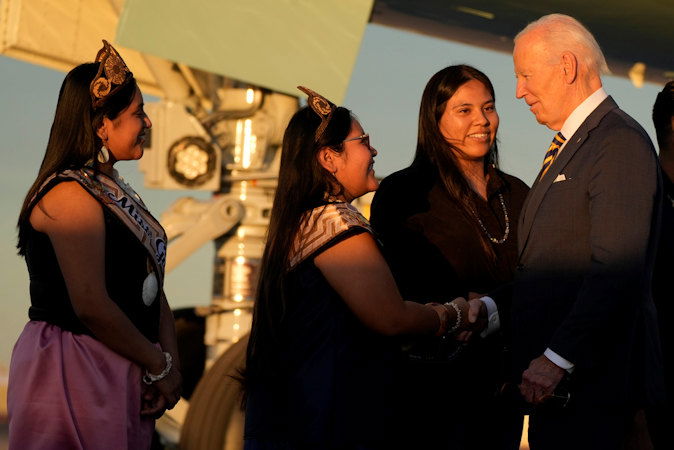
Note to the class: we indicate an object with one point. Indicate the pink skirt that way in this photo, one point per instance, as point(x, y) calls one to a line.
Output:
point(69, 391)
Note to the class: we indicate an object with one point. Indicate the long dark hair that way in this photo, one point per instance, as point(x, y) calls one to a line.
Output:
point(434, 154)
point(302, 185)
point(73, 140)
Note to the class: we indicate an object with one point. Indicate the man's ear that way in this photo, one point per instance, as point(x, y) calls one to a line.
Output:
point(570, 67)
point(327, 159)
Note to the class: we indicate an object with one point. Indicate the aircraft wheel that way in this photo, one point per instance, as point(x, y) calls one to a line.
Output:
point(214, 420)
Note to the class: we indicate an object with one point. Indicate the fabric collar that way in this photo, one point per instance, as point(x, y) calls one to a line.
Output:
point(582, 111)
point(320, 226)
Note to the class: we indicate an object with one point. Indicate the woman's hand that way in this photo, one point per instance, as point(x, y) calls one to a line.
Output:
point(161, 395)
point(152, 402)
point(170, 387)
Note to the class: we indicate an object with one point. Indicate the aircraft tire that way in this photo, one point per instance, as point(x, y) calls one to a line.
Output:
point(214, 420)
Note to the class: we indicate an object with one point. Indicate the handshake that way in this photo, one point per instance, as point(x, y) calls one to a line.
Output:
point(461, 317)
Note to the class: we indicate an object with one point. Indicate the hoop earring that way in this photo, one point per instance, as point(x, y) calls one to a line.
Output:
point(103, 155)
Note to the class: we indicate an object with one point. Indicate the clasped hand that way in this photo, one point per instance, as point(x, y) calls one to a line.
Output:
point(161, 395)
point(474, 319)
point(540, 380)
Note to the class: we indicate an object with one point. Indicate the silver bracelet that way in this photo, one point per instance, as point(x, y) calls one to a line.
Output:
point(148, 378)
point(458, 317)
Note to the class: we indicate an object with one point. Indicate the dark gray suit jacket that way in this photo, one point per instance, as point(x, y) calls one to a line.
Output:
point(586, 252)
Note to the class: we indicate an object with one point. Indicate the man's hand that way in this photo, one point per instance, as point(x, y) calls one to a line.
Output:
point(477, 314)
point(477, 318)
point(473, 295)
point(540, 380)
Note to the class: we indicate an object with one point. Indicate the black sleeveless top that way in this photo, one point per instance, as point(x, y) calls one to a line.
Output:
point(125, 271)
point(334, 389)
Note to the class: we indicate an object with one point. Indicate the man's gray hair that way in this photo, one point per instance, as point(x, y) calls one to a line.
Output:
point(564, 33)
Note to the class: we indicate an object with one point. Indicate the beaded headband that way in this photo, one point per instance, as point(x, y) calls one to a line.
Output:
point(112, 75)
point(321, 106)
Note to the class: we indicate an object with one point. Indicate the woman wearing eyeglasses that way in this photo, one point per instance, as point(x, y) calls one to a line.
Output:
point(448, 225)
point(319, 362)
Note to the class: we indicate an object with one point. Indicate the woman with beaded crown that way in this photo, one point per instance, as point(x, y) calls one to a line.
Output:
point(98, 360)
point(318, 372)
point(448, 228)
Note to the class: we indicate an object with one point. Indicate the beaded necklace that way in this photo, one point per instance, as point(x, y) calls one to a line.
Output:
point(507, 223)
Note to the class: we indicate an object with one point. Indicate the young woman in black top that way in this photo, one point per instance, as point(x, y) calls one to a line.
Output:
point(98, 359)
point(448, 225)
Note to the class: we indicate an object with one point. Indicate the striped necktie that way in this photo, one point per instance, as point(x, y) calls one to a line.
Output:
point(551, 154)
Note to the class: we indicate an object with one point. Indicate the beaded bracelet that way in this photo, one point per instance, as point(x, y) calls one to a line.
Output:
point(458, 317)
point(148, 378)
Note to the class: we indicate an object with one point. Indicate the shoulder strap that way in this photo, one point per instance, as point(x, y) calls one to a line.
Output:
point(321, 225)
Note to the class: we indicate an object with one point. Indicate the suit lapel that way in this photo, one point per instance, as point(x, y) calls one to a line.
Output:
point(541, 186)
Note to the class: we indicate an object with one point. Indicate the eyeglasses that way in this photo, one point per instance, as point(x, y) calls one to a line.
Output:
point(363, 137)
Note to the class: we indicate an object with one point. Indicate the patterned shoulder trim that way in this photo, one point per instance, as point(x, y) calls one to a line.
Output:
point(321, 225)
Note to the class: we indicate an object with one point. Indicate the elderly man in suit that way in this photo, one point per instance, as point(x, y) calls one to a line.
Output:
point(582, 313)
